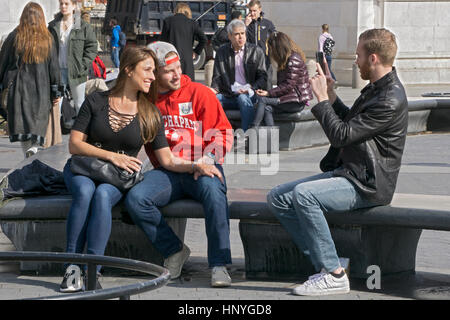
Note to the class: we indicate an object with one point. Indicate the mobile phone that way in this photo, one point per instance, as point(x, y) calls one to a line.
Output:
point(319, 59)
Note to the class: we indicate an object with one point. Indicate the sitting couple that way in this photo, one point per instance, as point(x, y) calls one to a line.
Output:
point(240, 77)
point(154, 105)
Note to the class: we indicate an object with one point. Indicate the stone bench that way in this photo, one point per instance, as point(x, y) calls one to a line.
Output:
point(302, 130)
point(386, 236)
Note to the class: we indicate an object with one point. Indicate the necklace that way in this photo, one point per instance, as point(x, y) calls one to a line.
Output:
point(67, 24)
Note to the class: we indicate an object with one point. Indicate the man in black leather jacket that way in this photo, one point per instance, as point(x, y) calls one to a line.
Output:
point(361, 166)
point(239, 63)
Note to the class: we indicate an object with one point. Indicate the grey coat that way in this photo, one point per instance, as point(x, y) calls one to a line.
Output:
point(30, 92)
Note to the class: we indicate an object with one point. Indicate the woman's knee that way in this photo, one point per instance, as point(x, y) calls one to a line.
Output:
point(82, 191)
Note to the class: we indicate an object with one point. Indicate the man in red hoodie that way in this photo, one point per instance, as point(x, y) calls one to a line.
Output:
point(198, 130)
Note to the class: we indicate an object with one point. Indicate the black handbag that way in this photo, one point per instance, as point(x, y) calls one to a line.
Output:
point(68, 112)
point(105, 172)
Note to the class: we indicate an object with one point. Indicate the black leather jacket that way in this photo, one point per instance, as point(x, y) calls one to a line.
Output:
point(367, 141)
point(224, 71)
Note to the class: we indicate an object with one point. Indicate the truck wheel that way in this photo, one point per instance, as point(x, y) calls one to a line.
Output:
point(199, 61)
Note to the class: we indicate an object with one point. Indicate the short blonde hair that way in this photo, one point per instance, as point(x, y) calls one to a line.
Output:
point(184, 9)
point(253, 3)
point(381, 42)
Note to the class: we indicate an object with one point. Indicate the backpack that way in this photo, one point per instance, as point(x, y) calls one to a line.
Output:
point(122, 39)
point(98, 68)
point(328, 46)
point(219, 38)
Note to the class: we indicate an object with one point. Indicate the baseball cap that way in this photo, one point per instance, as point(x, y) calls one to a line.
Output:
point(161, 49)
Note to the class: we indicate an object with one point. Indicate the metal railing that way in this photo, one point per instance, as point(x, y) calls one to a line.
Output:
point(122, 292)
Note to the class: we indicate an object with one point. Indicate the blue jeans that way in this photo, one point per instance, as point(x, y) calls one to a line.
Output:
point(243, 103)
point(329, 59)
point(89, 220)
point(115, 56)
point(300, 207)
point(161, 187)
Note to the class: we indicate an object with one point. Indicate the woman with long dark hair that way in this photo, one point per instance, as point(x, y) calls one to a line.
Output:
point(293, 90)
point(113, 126)
point(29, 76)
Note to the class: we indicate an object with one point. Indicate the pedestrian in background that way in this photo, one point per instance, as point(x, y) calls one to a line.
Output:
point(326, 44)
point(115, 42)
point(181, 31)
point(30, 77)
point(258, 31)
point(77, 48)
point(293, 90)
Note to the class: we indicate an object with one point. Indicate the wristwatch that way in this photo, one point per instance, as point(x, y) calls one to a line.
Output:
point(212, 156)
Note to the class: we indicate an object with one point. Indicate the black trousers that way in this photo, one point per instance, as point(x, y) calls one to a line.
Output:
point(266, 106)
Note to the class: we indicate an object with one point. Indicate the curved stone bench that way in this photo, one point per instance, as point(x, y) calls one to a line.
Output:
point(302, 130)
point(386, 236)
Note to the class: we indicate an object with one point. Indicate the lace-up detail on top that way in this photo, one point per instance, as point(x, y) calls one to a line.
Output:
point(118, 121)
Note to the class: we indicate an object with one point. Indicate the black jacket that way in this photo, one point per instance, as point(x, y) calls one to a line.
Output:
point(258, 31)
point(181, 31)
point(32, 87)
point(224, 72)
point(367, 141)
point(293, 82)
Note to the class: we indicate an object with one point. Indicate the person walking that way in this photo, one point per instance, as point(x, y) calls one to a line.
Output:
point(362, 164)
point(181, 31)
point(115, 42)
point(77, 48)
point(326, 44)
point(293, 90)
point(197, 130)
point(29, 77)
point(113, 126)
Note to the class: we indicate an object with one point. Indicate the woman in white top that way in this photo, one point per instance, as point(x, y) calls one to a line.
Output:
point(324, 36)
point(77, 48)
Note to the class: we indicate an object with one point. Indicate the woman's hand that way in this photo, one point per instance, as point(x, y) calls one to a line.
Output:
point(125, 162)
point(210, 170)
point(262, 93)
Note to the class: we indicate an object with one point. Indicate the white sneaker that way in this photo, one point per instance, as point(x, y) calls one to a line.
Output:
point(344, 262)
point(31, 152)
point(323, 284)
point(175, 262)
point(220, 277)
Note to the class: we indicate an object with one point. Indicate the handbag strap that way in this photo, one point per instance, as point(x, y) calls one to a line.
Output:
point(99, 145)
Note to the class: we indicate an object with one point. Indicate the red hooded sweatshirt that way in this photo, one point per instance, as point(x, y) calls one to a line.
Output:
point(195, 123)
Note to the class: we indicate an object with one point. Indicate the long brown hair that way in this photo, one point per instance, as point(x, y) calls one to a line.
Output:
point(148, 115)
point(281, 47)
point(33, 40)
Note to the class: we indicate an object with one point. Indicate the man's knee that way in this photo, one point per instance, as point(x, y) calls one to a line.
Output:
point(303, 195)
point(135, 202)
point(211, 188)
point(244, 101)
